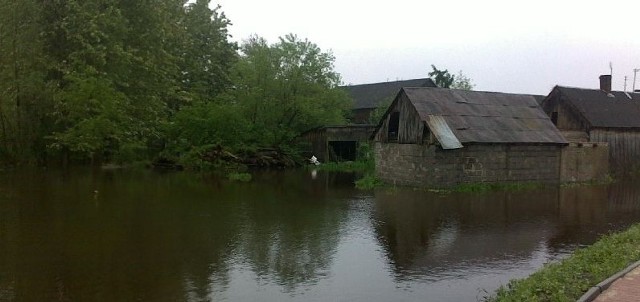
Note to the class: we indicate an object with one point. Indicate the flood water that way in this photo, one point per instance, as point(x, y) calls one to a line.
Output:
point(90, 235)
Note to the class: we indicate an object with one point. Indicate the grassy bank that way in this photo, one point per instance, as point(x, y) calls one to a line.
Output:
point(569, 279)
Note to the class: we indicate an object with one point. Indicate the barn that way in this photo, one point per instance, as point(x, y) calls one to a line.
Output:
point(438, 137)
point(599, 116)
point(331, 143)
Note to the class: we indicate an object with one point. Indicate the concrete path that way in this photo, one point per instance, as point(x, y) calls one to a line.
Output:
point(627, 288)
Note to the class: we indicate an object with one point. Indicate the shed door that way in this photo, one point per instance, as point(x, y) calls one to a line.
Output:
point(342, 150)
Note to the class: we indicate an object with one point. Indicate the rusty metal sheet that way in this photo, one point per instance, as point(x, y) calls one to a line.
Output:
point(443, 133)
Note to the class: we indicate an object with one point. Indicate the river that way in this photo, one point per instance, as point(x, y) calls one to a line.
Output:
point(95, 235)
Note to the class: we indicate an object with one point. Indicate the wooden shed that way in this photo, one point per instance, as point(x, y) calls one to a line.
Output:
point(368, 97)
point(442, 137)
point(337, 143)
point(599, 115)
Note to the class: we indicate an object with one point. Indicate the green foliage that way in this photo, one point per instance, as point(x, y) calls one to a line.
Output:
point(286, 88)
point(207, 54)
point(242, 177)
point(569, 279)
point(368, 182)
point(442, 77)
point(120, 81)
point(462, 82)
point(104, 77)
point(208, 124)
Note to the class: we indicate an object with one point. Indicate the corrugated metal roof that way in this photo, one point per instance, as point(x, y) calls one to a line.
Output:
point(485, 117)
point(443, 133)
point(375, 94)
point(608, 110)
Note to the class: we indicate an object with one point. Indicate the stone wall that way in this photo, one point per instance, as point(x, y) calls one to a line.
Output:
point(431, 166)
point(584, 162)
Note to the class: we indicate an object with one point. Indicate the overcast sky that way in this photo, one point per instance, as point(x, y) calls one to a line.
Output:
point(506, 46)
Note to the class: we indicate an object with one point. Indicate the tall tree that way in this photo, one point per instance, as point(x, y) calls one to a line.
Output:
point(91, 112)
point(288, 87)
point(23, 96)
point(208, 55)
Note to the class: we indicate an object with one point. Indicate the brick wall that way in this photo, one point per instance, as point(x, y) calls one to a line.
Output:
point(422, 165)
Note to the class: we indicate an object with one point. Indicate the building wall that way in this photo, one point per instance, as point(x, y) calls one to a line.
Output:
point(568, 119)
point(624, 148)
point(584, 162)
point(431, 166)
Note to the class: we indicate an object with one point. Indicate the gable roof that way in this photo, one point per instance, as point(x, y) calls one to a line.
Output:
point(373, 95)
point(600, 109)
point(485, 117)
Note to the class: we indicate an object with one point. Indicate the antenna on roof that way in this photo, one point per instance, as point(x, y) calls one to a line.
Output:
point(625, 84)
point(610, 69)
point(635, 71)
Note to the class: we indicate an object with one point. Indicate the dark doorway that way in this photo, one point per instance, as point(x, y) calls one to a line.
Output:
point(394, 125)
point(342, 150)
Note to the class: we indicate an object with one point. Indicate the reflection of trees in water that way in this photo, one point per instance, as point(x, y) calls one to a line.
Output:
point(169, 238)
point(291, 237)
point(425, 234)
point(135, 241)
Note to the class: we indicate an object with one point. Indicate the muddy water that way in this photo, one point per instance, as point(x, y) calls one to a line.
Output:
point(86, 235)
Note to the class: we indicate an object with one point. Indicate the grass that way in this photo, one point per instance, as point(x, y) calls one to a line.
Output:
point(569, 279)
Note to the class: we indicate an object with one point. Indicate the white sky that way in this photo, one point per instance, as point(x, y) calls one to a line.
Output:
point(507, 46)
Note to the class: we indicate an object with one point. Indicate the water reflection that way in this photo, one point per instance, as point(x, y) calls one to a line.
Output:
point(431, 236)
point(117, 235)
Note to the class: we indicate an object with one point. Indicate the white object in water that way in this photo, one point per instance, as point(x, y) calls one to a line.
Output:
point(314, 160)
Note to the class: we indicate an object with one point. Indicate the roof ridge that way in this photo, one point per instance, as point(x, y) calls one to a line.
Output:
point(595, 89)
point(474, 91)
point(387, 82)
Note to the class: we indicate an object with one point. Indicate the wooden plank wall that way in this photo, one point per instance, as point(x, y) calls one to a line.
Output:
point(411, 126)
point(624, 148)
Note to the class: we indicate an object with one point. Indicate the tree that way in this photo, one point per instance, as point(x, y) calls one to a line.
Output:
point(287, 87)
point(442, 77)
point(207, 55)
point(24, 98)
point(462, 82)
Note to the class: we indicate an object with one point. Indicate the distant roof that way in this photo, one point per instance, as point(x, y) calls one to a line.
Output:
point(486, 117)
point(539, 98)
point(608, 110)
point(375, 94)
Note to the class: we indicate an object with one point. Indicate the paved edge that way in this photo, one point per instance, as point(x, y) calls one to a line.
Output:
point(597, 289)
